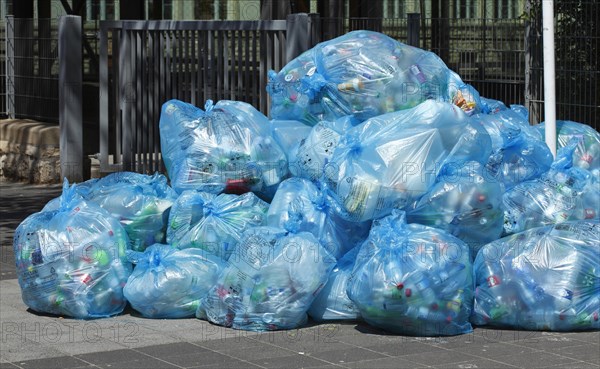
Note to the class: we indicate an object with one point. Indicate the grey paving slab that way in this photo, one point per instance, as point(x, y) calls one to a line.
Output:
point(438, 357)
point(388, 362)
point(56, 362)
point(348, 355)
point(537, 359)
point(589, 353)
point(146, 363)
point(206, 359)
point(227, 344)
point(172, 349)
point(113, 356)
point(476, 363)
point(576, 365)
point(257, 353)
point(403, 348)
point(293, 361)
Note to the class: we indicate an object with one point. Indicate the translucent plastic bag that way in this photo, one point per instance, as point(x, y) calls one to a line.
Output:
point(563, 193)
point(363, 74)
point(213, 223)
point(288, 133)
point(272, 278)
point(228, 147)
point(310, 156)
point(169, 283)
point(587, 152)
point(464, 203)
point(312, 209)
point(140, 202)
point(520, 153)
point(542, 279)
point(412, 279)
point(71, 260)
point(333, 303)
point(391, 160)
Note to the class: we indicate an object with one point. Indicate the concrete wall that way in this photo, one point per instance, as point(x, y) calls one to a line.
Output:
point(29, 151)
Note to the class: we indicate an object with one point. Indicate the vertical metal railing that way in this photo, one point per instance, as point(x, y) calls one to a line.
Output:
point(145, 63)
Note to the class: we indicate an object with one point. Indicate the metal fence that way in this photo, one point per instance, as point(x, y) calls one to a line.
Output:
point(577, 67)
point(145, 63)
point(30, 68)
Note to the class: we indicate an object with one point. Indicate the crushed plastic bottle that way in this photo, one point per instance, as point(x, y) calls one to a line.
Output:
point(413, 279)
point(545, 278)
point(270, 282)
point(169, 283)
point(213, 223)
point(363, 74)
point(228, 147)
point(71, 260)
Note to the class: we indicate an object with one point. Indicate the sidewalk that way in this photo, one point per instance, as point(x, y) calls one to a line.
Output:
point(31, 340)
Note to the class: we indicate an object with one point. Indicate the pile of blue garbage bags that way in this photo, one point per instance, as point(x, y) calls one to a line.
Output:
point(382, 189)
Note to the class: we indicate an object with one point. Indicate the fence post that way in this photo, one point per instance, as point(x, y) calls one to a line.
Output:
point(414, 29)
point(10, 66)
point(70, 97)
point(297, 38)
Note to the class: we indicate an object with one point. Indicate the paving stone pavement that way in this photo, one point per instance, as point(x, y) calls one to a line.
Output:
point(31, 340)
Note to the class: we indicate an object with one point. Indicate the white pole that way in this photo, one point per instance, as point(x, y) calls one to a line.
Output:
point(549, 76)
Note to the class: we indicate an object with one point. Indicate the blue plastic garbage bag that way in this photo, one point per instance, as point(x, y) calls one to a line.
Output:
point(563, 193)
point(228, 147)
point(310, 156)
point(520, 153)
point(169, 283)
point(288, 133)
point(391, 160)
point(587, 152)
point(140, 202)
point(316, 211)
point(363, 74)
point(464, 203)
point(491, 106)
point(272, 278)
point(545, 278)
point(413, 279)
point(213, 223)
point(333, 303)
point(71, 260)
point(521, 110)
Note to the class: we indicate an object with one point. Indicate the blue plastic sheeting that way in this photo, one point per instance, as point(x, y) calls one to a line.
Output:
point(303, 206)
point(272, 278)
point(169, 283)
point(363, 74)
point(563, 193)
point(390, 161)
point(228, 147)
point(464, 203)
point(412, 279)
point(545, 278)
point(71, 260)
point(214, 223)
